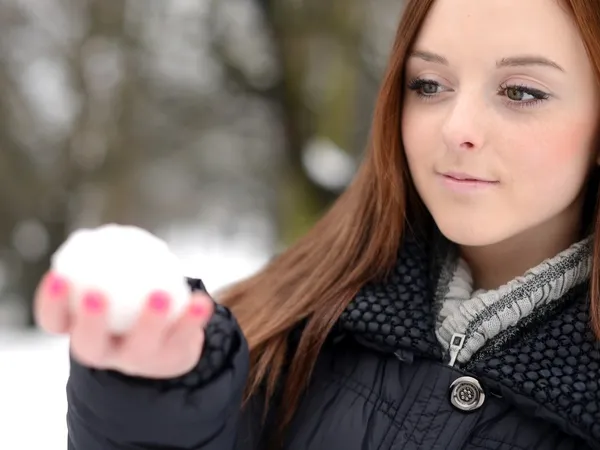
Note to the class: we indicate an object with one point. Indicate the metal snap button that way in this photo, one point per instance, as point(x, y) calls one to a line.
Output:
point(466, 394)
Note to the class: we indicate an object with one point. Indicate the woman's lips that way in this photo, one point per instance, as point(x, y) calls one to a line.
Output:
point(465, 182)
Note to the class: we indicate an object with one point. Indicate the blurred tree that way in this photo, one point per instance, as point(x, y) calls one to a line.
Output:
point(316, 45)
point(319, 48)
point(46, 168)
point(244, 117)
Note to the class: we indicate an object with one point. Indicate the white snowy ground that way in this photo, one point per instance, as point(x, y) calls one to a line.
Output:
point(34, 367)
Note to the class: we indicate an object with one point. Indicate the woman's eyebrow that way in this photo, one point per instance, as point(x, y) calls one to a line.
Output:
point(528, 60)
point(429, 57)
point(513, 61)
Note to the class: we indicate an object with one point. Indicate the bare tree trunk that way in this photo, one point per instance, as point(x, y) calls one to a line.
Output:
point(303, 201)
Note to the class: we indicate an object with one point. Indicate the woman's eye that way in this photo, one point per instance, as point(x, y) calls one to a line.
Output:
point(518, 95)
point(523, 94)
point(429, 88)
point(425, 88)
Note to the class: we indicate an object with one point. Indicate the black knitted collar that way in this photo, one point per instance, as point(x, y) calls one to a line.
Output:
point(549, 365)
point(398, 312)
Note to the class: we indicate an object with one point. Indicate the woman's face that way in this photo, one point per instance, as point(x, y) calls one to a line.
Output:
point(500, 117)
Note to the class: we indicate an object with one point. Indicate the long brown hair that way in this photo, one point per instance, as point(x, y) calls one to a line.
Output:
point(357, 239)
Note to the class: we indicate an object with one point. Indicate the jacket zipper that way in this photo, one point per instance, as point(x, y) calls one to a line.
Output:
point(457, 342)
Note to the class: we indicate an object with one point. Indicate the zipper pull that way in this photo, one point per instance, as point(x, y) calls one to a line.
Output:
point(456, 344)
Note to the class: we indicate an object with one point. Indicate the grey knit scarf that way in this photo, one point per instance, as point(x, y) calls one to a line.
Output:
point(483, 314)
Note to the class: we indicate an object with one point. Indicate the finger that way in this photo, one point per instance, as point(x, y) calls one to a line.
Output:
point(199, 311)
point(91, 344)
point(51, 304)
point(187, 336)
point(146, 337)
point(196, 317)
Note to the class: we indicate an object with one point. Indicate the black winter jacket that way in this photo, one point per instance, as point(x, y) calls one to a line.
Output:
point(382, 382)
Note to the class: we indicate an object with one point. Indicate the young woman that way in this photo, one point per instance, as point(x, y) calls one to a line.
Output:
point(449, 300)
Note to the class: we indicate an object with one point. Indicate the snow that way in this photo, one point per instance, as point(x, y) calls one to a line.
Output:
point(34, 366)
point(33, 407)
point(121, 252)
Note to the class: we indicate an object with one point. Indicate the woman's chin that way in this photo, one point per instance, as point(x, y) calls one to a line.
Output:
point(477, 236)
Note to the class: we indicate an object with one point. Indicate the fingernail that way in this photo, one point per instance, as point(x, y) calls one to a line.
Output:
point(198, 310)
point(159, 302)
point(93, 302)
point(56, 286)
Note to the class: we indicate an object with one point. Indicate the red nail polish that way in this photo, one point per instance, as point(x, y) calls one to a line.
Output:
point(197, 310)
point(56, 286)
point(93, 302)
point(159, 302)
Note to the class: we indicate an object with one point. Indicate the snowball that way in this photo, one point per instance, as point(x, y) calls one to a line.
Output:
point(126, 264)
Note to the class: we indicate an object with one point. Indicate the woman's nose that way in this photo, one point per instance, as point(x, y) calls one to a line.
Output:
point(463, 128)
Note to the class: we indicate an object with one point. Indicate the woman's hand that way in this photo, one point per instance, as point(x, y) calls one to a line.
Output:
point(153, 348)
